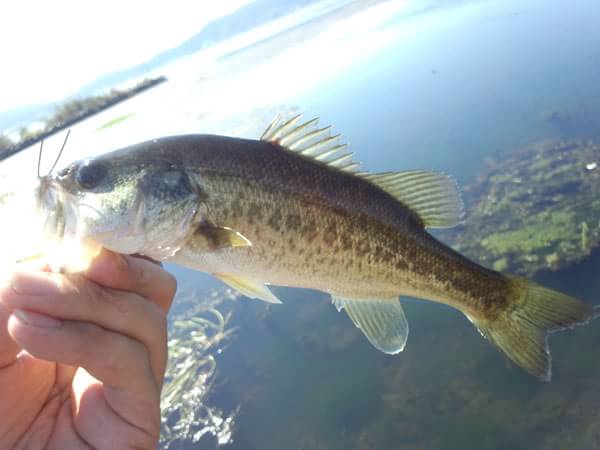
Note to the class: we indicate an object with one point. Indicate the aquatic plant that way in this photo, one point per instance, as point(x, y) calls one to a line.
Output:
point(538, 209)
point(115, 121)
point(5, 196)
point(195, 336)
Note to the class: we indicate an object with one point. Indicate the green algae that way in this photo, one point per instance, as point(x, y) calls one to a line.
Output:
point(538, 209)
point(114, 121)
point(5, 196)
point(449, 389)
point(307, 379)
point(500, 264)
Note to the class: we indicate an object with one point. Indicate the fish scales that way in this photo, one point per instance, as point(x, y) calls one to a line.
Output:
point(256, 212)
point(312, 226)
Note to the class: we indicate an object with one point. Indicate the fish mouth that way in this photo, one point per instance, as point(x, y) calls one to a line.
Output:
point(50, 207)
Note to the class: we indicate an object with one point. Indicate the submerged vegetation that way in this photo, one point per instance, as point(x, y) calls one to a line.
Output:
point(4, 196)
point(114, 121)
point(538, 209)
point(195, 337)
point(305, 379)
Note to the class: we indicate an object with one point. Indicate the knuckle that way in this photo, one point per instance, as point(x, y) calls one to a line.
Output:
point(67, 285)
point(111, 301)
point(100, 298)
point(142, 275)
point(77, 286)
point(143, 441)
point(115, 353)
point(152, 281)
point(155, 325)
point(171, 284)
point(85, 343)
point(126, 357)
point(160, 318)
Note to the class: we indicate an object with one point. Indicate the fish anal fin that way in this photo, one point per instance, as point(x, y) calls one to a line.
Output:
point(381, 320)
point(433, 196)
point(248, 287)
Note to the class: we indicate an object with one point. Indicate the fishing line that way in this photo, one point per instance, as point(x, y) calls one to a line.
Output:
point(40, 158)
point(59, 153)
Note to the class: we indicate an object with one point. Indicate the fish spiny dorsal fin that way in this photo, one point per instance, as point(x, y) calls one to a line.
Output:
point(310, 141)
point(434, 196)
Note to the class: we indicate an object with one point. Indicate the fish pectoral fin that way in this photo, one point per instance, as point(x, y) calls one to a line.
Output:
point(222, 237)
point(248, 287)
point(381, 320)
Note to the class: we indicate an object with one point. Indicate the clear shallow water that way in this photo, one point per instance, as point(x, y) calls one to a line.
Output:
point(457, 84)
point(442, 89)
point(447, 90)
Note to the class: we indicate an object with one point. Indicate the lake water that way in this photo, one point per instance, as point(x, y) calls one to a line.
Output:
point(445, 87)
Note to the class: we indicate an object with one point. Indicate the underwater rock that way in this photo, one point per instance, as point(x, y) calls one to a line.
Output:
point(537, 209)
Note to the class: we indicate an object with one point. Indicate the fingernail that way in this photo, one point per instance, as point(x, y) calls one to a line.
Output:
point(35, 283)
point(121, 261)
point(36, 320)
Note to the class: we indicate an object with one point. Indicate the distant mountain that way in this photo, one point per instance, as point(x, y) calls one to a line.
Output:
point(245, 18)
point(25, 115)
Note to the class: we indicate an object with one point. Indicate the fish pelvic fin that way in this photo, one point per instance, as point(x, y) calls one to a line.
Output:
point(249, 287)
point(382, 321)
point(521, 329)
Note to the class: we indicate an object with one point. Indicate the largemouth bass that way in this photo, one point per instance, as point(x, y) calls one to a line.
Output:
point(293, 209)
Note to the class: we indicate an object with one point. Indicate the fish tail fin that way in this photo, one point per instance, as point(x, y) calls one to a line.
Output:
point(521, 329)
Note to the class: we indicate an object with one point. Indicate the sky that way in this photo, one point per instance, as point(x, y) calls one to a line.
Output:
point(50, 49)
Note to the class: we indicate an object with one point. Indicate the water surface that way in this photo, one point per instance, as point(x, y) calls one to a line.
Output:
point(438, 85)
point(445, 89)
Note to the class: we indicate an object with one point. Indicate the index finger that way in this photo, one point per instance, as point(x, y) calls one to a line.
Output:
point(8, 347)
point(133, 274)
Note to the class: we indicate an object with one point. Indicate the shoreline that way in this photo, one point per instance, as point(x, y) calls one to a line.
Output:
point(105, 103)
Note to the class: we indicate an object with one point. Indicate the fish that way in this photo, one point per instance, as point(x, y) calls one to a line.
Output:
point(294, 208)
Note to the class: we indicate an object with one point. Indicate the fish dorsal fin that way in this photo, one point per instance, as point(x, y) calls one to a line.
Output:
point(381, 320)
point(248, 287)
point(310, 141)
point(433, 196)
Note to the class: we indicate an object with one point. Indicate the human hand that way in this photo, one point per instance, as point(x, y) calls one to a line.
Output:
point(82, 357)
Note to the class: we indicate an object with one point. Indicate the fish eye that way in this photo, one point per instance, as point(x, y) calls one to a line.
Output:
point(90, 174)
